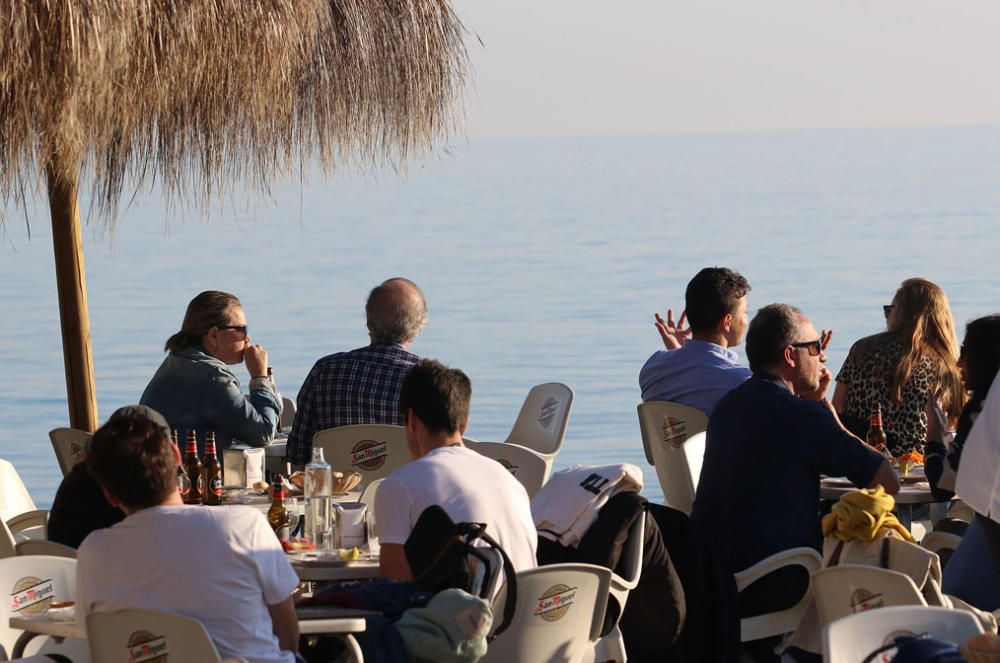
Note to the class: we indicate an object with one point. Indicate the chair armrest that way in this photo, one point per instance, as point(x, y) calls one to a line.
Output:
point(237, 659)
point(804, 557)
point(28, 519)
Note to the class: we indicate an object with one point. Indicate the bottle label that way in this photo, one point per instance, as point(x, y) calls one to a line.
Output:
point(183, 484)
point(215, 485)
point(201, 484)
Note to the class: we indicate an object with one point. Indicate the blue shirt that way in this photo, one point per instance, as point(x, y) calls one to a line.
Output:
point(697, 374)
point(759, 488)
point(356, 387)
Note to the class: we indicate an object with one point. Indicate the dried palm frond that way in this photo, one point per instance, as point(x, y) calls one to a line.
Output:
point(199, 94)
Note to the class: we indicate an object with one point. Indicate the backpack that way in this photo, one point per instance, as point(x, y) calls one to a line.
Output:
point(916, 649)
point(442, 554)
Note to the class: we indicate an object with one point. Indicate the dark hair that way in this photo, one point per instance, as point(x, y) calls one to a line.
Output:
point(396, 311)
point(711, 294)
point(439, 396)
point(132, 457)
point(981, 353)
point(773, 328)
point(209, 309)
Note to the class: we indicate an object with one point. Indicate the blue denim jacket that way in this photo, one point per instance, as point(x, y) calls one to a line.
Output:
point(193, 389)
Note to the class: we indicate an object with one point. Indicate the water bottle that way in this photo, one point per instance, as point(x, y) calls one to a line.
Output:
point(318, 492)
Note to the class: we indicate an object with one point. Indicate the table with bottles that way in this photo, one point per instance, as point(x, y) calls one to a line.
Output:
point(914, 491)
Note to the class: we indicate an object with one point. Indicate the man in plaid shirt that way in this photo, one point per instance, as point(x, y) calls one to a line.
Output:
point(362, 386)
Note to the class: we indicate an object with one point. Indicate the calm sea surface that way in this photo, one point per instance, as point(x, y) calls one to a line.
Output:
point(541, 260)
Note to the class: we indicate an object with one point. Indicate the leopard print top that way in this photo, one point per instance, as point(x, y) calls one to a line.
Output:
point(868, 372)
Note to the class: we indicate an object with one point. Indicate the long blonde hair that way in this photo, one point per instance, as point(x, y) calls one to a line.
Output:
point(924, 324)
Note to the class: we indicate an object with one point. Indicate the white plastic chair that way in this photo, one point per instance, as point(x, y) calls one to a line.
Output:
point(44, 547)
point(372, 450)
point(53, 578)
point(558, 616)
point(17, 509)
point(115, 636)
point(850, 639)
point(368, 494)
point(542, 420)
point(942, 543)
point(782, 621)
point(288, 409)
point(70, 446)
point(529, 467)
point(674, 441)
point(611, 647)
point(851, 588)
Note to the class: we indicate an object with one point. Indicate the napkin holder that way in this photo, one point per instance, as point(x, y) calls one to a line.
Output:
point(242, 468)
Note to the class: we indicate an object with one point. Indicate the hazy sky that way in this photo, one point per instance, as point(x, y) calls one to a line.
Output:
point(582, 67)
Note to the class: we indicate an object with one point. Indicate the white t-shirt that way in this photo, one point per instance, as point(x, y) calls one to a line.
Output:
point(221, 565)
point(470, 488)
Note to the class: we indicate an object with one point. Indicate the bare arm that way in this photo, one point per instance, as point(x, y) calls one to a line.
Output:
point(886, 477)
point(285, 624)
point(840, 396)
point(392, 562)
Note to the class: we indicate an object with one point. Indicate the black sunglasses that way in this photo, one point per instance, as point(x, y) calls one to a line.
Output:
point(887, 309)
point(237, 328)
point(815, 347)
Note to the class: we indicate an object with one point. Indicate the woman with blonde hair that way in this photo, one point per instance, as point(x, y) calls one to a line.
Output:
point(896, 368)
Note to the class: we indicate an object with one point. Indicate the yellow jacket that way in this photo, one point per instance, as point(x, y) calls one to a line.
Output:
point(861, 515)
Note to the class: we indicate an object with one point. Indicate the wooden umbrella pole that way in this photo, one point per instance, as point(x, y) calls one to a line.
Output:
point(71, 283)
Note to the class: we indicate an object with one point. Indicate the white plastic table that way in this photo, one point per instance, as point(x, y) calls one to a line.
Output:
point(35, 626)
point(909, 495)
point(324, 567)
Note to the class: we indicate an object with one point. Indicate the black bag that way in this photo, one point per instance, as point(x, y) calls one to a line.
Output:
point(441, 555)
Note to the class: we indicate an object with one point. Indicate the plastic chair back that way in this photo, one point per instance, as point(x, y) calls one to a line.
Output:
point(942, 543)
point(674, 441)
point(852, 588)
point(782, 621)
point(368, 494)
point(372, 450)
point(45, 547)
point(528, 467)
point(125, 636)
point(850, 639)
point(32, 583)
point(542, 420)
point(559, 614)
point(14, 497)
point(288, 410)
point(611, 647)
point(70, 446)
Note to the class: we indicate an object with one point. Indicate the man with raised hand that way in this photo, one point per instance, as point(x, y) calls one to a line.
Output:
point(698, 366)
point(470, 487)
point(220, 565)
point(362, 386)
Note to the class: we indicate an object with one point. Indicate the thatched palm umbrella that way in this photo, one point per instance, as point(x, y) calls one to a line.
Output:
point(199, 94)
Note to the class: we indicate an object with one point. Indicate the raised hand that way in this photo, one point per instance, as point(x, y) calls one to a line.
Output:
point(824, 338)
point(673, 334)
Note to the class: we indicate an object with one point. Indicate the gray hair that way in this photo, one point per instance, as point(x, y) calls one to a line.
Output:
point(774, 328)
point(396, 311)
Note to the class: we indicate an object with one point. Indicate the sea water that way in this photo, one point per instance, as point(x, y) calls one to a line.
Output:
point(541, 260)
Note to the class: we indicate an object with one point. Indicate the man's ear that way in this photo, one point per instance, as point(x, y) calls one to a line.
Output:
point(789, 357)
point(411, 420)
point(464, 426)
point(727, 322)
point(112, 500)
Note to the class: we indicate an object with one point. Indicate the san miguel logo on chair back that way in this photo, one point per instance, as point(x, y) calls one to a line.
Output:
point(144, 647)
point(507, 464)
point(555, 603)
point(369, 455)
point(674, 431)
point(32, 596)
point(548, 412)
point(862, 600)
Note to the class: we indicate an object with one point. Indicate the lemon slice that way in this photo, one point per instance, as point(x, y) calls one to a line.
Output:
point(349, 555)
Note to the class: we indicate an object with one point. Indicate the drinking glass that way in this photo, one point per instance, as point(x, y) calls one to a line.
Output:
point(371, 532)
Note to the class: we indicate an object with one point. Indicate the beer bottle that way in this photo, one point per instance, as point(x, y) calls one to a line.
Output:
point(876, 434)
point(212, 471)
point(192, 466)
point(183, 483)
point(277, 516)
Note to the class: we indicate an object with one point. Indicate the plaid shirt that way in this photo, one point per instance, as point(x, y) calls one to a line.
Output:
point(356, 387)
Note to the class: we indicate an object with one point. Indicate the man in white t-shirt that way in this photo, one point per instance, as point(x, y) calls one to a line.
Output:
point(434, 400)
point(220, 565)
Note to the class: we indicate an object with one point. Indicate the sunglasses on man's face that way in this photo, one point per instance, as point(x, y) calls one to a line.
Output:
point(815, 347)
